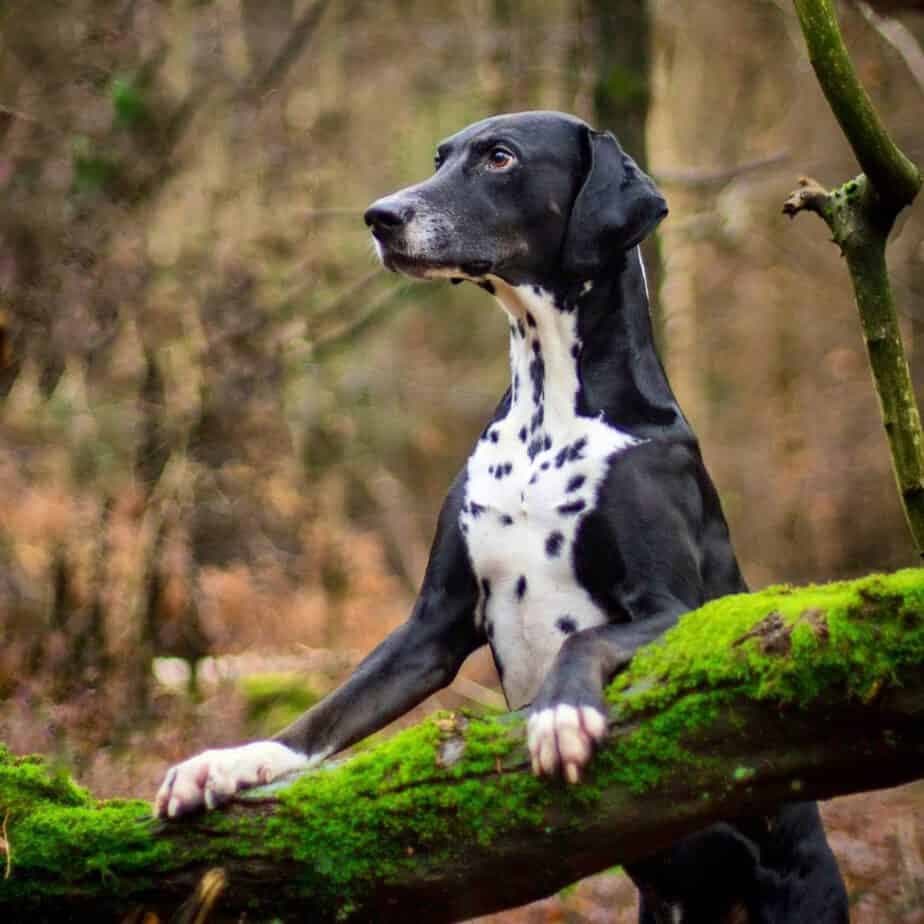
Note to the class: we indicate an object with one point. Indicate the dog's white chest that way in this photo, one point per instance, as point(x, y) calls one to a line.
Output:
point(532, 478)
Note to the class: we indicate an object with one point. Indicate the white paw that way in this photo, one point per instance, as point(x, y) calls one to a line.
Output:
point(563, 738)
point(213, 777)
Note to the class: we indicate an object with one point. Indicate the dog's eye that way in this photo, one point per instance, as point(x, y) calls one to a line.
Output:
point(437, 162)
point(500, 159)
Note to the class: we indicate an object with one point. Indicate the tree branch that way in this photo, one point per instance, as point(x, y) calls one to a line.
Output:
point(901, 38)
point(752, 700)
point(894, 177)
point(861, 214)
point(705, 178)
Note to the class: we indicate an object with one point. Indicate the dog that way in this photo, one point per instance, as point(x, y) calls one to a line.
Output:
point(584, 522)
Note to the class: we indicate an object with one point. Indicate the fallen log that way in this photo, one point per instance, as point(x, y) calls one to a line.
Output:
point(782, 695)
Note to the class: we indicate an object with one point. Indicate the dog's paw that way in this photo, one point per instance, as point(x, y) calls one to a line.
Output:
point(562, 738)
point(213, 777)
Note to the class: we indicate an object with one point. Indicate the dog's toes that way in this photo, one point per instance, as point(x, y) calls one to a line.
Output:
point(575, 746)
point(221, 784)
point(572, 773)
point(213, 777)
point(540, 733)
point(593, 721)
point(562, 738)
point(162, 799)
point(182, 787)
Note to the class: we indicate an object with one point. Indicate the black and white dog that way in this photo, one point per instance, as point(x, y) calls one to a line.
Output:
point(584, 522)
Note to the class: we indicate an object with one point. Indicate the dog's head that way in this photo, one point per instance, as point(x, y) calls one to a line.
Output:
point(532, 197)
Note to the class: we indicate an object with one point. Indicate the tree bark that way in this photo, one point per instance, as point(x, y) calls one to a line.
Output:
point(752, 700)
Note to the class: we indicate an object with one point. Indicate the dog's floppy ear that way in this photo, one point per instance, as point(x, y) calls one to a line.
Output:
point(616, 208)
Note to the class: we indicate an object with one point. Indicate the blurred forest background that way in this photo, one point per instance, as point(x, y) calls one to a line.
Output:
point(225, 431)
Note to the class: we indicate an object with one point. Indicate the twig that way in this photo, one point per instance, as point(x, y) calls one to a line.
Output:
point(5, 846)
point(295, 43)
point(478, 693)
point(200, 905)
point(378, 310)
point(196, 100)
point(901, 38)
point(723, 175)
point(811, 196)
point(343, 300)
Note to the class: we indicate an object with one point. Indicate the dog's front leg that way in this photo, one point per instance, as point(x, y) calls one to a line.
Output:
point(568, 718)
point(417, 659)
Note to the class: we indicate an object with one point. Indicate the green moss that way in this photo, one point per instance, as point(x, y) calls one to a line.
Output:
point(60, 836)
point(834, 646)
point(57, 830)
point(25, 781)
point(389, 809)
point(794, 647)
point(55, 840)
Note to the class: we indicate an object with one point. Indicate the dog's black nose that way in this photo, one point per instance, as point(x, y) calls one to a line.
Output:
point(388, 216)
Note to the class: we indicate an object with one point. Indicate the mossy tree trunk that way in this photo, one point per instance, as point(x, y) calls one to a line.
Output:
point(752, 700)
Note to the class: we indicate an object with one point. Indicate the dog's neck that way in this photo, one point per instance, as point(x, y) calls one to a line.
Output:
point(589, 351)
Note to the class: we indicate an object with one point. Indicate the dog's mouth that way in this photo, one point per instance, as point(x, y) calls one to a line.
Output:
point(428, 268)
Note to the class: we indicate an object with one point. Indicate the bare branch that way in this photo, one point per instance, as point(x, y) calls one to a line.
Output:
point(696, 178)
point(295, 43)
point(900, 37)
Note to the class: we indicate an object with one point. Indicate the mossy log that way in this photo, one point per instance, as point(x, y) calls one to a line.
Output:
point(785, 694)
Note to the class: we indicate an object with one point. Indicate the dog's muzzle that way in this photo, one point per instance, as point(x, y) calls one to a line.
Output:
point(415, 241)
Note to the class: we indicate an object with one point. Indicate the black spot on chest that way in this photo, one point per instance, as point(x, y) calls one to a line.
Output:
point(553, 544)
point(502, 470)
point(571, 453)
point(537, 374)
point(521, 587)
